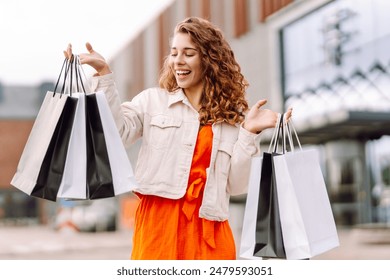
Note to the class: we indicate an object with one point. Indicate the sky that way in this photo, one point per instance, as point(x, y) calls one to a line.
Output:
point(34, 33)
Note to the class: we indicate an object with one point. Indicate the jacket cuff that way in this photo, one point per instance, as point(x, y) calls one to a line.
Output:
point(249, 140)
point(101, 81)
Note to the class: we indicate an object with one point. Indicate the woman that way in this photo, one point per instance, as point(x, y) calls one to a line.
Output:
point(198, 137)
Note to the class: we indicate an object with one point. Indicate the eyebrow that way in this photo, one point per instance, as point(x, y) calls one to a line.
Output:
point(187, 48)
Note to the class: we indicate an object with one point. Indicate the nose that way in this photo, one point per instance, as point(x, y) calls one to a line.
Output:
point(179, 59)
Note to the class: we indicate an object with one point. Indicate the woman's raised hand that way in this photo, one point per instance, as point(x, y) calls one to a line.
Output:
point(92, 58)
point(259, 119)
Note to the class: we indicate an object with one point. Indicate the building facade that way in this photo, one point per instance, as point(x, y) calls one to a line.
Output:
point(19, 106)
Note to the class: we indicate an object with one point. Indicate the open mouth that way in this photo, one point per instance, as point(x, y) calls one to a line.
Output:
point(182, 73)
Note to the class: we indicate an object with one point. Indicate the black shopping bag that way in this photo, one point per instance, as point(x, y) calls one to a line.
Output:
point(268, 237)
point(99, 176)
point(52, 168)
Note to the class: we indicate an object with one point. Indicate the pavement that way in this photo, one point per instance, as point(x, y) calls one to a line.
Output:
point(45, 243)
point(361, 242)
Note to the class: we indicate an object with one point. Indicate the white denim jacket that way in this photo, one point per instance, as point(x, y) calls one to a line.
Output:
point(169, 125)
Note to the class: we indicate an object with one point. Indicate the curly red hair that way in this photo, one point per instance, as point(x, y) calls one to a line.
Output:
point(224, 85)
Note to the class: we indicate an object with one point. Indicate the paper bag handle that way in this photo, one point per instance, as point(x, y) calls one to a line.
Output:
point(276, 135)
point(290, 128)
point(65, 67)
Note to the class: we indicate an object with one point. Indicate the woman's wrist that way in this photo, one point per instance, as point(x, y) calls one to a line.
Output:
point(250, 129)
point(104, 71)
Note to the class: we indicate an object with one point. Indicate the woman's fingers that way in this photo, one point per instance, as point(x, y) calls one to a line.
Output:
point(260, 103)
point(289, 113)
point(91, 58)
point(89, 47)
point(68, 53)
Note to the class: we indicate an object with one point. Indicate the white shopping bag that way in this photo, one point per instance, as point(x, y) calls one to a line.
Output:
point(248, 234)
point(34, 151)
point(74, 181)
point(307, 221)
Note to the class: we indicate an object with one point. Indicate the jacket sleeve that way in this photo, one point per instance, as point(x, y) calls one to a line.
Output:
point(247, 145)
point(128, 116)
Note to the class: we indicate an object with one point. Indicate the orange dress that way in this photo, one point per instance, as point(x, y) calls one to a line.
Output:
point(169, 229)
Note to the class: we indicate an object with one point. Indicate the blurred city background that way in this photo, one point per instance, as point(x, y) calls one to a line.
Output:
point(328, 59)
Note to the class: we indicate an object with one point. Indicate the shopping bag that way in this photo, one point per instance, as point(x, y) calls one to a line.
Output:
point(51, 171)
point(248, 237)
point(38, 142)
point(121, 169)
point(268, 232)
point(51, 174)
point(269, 239)
point(261, 232)
point(99, 176)
point(74, 181)
point(306, 216)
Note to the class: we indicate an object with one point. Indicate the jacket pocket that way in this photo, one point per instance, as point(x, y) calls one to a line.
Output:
point(222, 171)
point(163, 129)
point(225, 151)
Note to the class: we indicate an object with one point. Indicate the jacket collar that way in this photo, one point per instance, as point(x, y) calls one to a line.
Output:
point(176, 96)
point(179, 96)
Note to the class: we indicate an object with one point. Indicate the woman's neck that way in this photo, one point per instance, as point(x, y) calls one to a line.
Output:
point(194, 97)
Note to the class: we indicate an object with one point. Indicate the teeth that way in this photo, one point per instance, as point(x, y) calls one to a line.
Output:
point(181, 72)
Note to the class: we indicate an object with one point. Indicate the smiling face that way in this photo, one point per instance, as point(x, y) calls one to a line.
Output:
point(185, 63)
